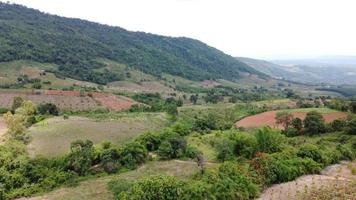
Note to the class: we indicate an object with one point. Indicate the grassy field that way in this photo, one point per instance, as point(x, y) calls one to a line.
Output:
point(10, 71)
point(53, 136)
point(97, 188)
point(305, 110)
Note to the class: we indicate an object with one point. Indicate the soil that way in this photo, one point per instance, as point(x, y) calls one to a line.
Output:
point(268, 119)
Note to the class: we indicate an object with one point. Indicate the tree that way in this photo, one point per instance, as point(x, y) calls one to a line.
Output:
point(353, 106)
point(284, 119)
point(80, 156)
point(48, 108)
point(351, 127)
point(297, 123)
point(269, 140)
point(15, 125)
point(338, 124)
point(173, 147)
point(16, 103)
point(314, 123)
point(133, 154)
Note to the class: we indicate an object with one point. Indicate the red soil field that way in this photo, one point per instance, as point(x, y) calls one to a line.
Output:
point(268, 119)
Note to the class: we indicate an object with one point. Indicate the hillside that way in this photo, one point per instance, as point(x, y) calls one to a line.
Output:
point(75, 46)
point(312, 71)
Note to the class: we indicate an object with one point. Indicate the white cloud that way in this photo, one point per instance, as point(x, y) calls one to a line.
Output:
point(255, 28)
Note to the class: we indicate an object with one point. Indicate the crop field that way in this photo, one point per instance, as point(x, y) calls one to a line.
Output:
point(97, 188)
point(268, 118)
point(72, 103)
point(53, 136)
point(145, 86)
point(69, 100)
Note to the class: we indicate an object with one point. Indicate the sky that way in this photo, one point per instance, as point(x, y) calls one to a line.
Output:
point(273, 29)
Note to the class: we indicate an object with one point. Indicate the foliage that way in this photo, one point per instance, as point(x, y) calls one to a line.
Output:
point(173, 147)
point(133, 154)
point(16, 103)
point(81, 156)
point(269, 140)
point(351, 127)
point(314, 123)
point(338, 124)
point(48, 108)
point(74, 45)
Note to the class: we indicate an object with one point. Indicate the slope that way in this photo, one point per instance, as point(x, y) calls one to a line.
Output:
point(74, 45)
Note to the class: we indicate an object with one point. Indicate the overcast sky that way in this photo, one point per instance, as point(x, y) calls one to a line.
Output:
point(254, 28)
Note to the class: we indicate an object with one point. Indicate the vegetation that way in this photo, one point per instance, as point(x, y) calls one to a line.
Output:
point(75, 45)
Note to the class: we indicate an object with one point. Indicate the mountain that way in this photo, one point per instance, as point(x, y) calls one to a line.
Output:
point(330, 70)
point(75, 46)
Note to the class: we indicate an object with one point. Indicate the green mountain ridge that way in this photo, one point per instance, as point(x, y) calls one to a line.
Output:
point(75, 46)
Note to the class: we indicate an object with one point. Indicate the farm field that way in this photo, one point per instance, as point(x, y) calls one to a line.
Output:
point(69, 100)
point(268, 118)
point(53, 136)
point(97, 188)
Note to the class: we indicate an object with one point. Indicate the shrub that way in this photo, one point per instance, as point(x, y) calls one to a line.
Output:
point(225, 149)
point(311, 151)
point(245, 145)
point(351, 127)
point(48, 108)
point(117, 186)
point(173, 147)
point(81, 156)
point(268, 140)
point(314, 123)
point(338, 124)
point(155, 187)
point(133, 154)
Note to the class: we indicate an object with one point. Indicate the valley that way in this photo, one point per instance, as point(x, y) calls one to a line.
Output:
point(94, 111)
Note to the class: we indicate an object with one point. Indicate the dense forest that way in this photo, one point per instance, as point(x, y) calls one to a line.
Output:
point(74, 45)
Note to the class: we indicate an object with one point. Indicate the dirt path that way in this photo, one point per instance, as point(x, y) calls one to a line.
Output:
point(3, 129)
point(339, 174)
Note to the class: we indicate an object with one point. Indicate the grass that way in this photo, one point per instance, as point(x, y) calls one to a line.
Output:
point(97, 188)
point(10, 71)
point(202, 144)
point(305, 110)
point(52, 137)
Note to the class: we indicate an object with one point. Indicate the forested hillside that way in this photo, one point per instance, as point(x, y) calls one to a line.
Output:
point(74, 45)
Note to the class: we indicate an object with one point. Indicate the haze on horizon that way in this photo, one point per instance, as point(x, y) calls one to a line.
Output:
point(273, 29)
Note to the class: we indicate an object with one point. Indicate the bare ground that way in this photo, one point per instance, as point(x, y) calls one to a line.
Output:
point(332, 177)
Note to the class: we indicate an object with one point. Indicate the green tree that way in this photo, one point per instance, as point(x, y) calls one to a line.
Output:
point(173, 147)
point(133, 154)
point(351, 127)
point(81, 156)
point(297, 123)
point(269, 140)
point(314, 123)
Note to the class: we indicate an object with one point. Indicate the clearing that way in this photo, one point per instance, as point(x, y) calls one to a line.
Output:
point(268, 118)
point(52, 137)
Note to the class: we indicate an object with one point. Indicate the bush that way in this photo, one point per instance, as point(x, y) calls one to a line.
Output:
point(268, 140)
point(48, 108)
point(338, 124)
point(173, 147)
point(311, 151)
point(351, 127)
point(155, 187)
point(225, 149)
point(314, 123)
point(117, 186)
point(133, 154)
point(245, 145)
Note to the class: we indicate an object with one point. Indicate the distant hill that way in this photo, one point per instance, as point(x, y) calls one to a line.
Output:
point(328, 70)
point(75, 46)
